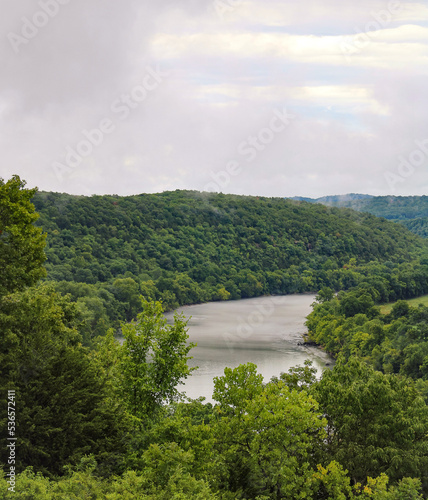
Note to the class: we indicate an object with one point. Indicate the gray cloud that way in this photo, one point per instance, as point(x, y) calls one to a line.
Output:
point(353, 120)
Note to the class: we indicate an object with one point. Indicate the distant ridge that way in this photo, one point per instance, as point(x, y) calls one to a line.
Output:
point(410, 211)
point(338, 198)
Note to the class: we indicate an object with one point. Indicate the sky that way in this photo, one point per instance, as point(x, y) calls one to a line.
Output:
point(253, 97)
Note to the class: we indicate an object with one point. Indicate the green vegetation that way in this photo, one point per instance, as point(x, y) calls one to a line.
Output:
point(20, 241)
point(410, 211)
point(351, 325)
point(107, 421)
point(150, 363)
point(266, 441)
point(387, 308)
point(377, 423)
point(187, 247)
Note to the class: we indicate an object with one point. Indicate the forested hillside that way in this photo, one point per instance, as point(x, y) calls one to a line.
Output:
point(410, 211)
point(186, 247)
point(108, 422)
point(97, 238)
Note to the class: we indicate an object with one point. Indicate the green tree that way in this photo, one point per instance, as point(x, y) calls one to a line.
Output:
point(298, 377)
point(61, 392)
point(324, 295)
point(266, 436)
point(21, 243)
point(352, 304)
point(400, 308)
point(152, 360)
point(127, 293)
point(165, 477)
point(376, 422)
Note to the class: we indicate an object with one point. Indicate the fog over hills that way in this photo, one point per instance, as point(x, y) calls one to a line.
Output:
point(411, 211)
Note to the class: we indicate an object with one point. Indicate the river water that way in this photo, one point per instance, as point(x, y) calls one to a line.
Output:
point(264, 331)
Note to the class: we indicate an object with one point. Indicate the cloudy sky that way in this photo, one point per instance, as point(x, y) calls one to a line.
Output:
point(260, 97)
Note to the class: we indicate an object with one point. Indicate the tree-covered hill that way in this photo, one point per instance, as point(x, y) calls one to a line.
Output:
point(410, 211)
point(98, 238)
point(186, 247)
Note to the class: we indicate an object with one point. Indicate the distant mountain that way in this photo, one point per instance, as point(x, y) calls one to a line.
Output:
point(335, 199)
point(343, 198)
point(410, 211)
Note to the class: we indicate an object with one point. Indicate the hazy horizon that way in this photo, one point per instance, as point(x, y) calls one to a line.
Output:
point(232, 194)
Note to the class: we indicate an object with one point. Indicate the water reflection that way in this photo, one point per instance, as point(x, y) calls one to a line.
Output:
point(264, 331)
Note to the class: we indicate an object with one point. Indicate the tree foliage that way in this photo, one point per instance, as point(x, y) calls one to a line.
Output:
point(60, 393)
point(267, 435)
point(377, 423)
point(21, 243)
point(186, 247)
point(151, 362)
point(355, 433)
point(393, 343)
point(410, 211)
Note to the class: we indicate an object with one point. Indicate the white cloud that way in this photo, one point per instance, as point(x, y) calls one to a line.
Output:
point(339, 13)
point(413, 12)
point(403, 46)
point(356, 113)
point(345, 98)
point(402, 34)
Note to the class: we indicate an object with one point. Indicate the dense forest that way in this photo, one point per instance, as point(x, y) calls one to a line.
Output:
point(105, 420)
point(410, 211)
point(187, 247)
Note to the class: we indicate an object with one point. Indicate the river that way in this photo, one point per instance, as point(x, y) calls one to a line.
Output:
point(264, 331)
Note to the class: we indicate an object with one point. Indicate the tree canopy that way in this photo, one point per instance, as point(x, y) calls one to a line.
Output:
point(410, 211)
point(109, 421)
point(185, 247)
point(21, 243)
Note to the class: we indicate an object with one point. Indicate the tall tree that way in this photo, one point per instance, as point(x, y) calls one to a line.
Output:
point(61, 391)
point(152, 361)
point(21, 243)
